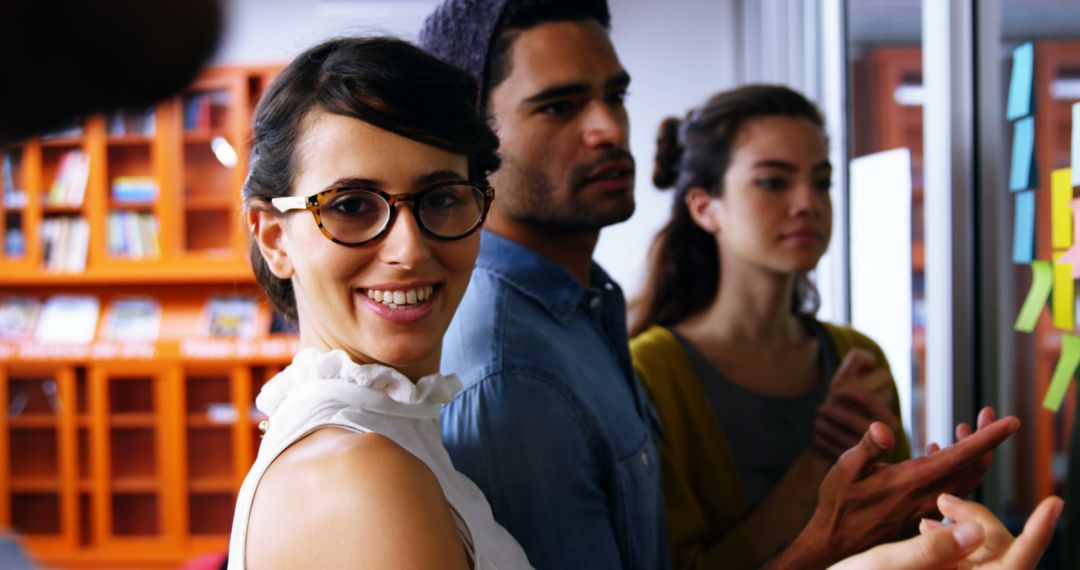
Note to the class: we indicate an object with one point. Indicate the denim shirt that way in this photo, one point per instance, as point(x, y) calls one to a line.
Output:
point(552, 423)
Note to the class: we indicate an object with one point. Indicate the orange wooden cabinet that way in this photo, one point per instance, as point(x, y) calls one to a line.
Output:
point(130, 454)
point(121, 455)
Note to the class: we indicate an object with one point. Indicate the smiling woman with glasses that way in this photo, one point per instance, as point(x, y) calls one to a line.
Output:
point(383, 145)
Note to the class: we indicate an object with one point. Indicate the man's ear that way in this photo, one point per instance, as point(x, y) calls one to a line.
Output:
point(268, 229)
point(703, 209)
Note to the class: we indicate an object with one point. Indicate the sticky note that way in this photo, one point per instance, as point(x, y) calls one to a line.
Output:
point(1063, 372)
point(1023, 66)
point(1076, 144)
point(1042, 278)
point(1064, 296)
point(1024, 227)
point(1023, 174)
point(1072, 256)
point(1060, 212)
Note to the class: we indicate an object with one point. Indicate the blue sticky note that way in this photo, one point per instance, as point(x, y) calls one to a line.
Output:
point(1023, 174)
point(1024, 228)
point(1023, 66)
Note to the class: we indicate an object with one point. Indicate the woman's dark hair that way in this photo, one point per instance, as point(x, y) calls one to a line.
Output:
point(385, 82)
point(683, 273)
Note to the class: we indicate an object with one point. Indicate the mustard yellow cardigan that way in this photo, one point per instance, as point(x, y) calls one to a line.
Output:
point(704, 500)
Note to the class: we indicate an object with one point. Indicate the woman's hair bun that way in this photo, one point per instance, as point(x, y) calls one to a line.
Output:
point(668, 153)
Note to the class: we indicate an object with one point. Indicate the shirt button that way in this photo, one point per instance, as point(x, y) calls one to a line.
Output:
point(594, 303)
point(645, 458)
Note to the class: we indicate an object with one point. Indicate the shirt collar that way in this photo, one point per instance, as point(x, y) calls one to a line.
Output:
point(537, 276)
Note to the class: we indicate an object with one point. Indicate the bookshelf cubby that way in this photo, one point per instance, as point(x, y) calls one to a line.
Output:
point(130, 453)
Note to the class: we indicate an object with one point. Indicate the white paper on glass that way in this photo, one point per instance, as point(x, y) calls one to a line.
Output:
point(880, 256)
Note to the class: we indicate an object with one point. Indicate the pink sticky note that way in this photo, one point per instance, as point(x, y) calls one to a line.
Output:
point(1072, 255)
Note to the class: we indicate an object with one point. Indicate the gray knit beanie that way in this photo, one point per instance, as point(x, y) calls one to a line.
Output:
point(460, 32)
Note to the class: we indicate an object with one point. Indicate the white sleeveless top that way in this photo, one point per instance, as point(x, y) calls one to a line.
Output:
point(321, 389)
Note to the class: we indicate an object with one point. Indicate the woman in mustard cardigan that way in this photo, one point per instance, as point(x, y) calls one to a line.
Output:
point(757, 398)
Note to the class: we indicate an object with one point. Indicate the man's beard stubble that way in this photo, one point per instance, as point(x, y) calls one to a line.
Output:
point(533, 200)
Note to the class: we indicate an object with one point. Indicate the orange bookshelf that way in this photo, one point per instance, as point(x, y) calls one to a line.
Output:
point(123, 454)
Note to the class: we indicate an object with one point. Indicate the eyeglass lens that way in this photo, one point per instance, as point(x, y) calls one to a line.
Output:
point(450, 211)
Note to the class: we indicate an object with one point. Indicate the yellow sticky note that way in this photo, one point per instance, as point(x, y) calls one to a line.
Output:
point(1061, 221)
point(1063, 372)
point(1042, 279)
point(1064, 300)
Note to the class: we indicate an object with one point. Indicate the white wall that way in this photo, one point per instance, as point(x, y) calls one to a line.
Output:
point(677, 53)
point(273, 31)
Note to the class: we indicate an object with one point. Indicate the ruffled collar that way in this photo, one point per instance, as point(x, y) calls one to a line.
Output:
point(377, 382)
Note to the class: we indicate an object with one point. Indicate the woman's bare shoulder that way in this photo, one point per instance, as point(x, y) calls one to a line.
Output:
point(341, 498)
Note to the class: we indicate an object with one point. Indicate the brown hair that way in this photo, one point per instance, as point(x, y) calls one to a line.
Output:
point(385, 82)
point(683, 272)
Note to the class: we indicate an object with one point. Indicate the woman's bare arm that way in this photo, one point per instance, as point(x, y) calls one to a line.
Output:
point(341, 499)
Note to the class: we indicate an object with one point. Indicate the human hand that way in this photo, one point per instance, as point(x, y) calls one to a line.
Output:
point(978, 541)
point(862, 502)
point(999, 549)
point(963, 430)
point(859, 394)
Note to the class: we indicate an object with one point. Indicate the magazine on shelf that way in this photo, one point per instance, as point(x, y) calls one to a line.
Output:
point(18, 317)
point(68, 319)
point(132, 318)
point(233, 316)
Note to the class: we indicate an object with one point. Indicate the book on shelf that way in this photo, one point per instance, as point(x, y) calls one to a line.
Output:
point(68, 319)
point(205, 110)
point(14, 241)
point(134, 189)
point(69, 184)
point(233, 316)
point(133, 235)
point(65, 240)
point(133, 122)
point(132, 318)
point(14, 197)
point(18, 317)
point(70, 130)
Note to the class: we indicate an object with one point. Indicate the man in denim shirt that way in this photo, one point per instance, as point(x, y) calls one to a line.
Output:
point(552, 423)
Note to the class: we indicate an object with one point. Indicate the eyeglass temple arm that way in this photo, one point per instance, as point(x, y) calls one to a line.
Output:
point(289, 203)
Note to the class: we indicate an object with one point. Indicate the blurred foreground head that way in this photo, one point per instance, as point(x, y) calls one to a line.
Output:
point(63, 60)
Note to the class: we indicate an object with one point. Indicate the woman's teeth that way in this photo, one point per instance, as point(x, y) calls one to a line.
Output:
point(401, 298)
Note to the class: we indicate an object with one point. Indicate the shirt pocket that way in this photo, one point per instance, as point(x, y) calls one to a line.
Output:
point(640, 522)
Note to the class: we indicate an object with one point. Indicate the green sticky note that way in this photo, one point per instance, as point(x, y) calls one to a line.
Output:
point(1042, 279)
point(1063, 372)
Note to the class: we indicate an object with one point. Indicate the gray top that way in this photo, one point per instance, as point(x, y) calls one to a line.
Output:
point(765, 433)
